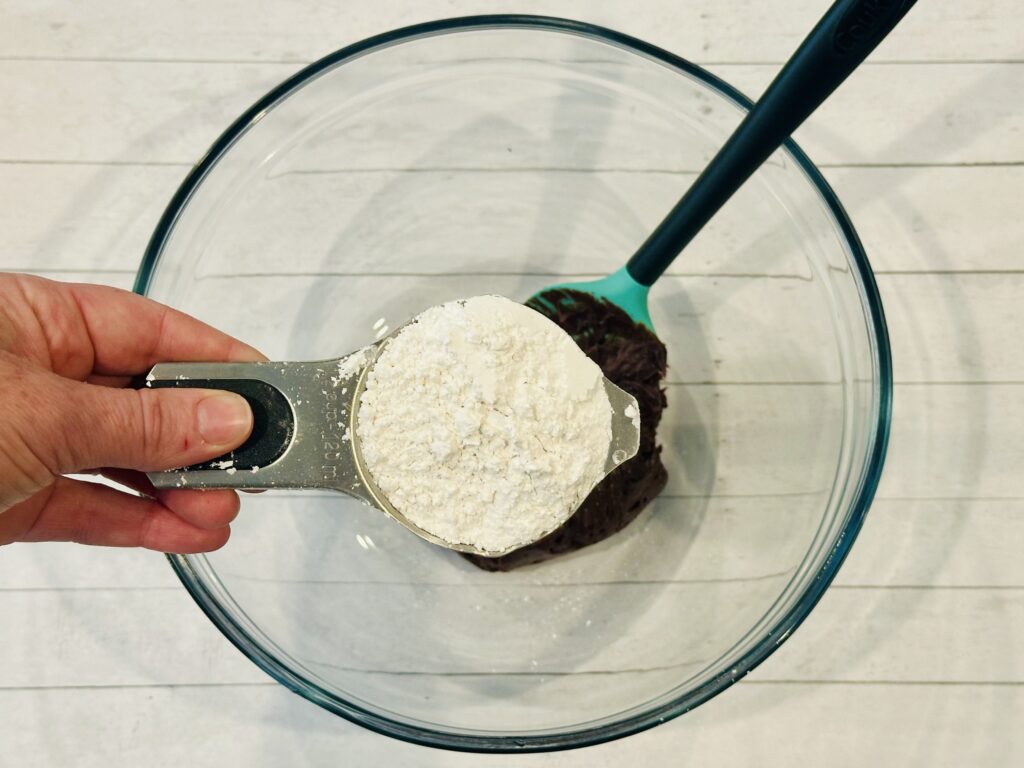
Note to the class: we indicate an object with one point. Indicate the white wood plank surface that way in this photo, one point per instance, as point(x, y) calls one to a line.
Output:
point(100, 216)
point(726, 30)
point(977, 626)
point(160, 112)
point(964, 345)
point(833, 725)
point(905, 542)
point(910, 659)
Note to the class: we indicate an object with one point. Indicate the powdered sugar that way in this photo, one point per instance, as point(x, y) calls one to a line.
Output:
point(350, 365)
point(484, 424)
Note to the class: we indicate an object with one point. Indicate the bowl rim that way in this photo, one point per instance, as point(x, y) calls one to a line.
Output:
point(585, 736)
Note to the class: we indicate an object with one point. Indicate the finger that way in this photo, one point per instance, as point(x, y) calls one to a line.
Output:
point(108, 381)
point(203, 508)
point(89, 513)
point(130, 333)
point(95, 329)
point(146, 430)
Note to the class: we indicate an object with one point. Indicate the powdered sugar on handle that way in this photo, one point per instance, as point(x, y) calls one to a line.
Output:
point(484, 423)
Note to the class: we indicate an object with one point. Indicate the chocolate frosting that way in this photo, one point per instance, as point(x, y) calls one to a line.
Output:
point(633, 358)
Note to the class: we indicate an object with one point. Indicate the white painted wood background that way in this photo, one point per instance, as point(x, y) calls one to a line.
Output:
point(914, 657)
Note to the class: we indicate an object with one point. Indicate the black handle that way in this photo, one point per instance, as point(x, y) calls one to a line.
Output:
point(273, 423)
point(846, 34)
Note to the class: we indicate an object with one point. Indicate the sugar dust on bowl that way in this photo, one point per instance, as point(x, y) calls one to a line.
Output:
point(477, 157)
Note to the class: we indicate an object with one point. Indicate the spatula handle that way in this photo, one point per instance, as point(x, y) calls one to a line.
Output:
point(846, 34)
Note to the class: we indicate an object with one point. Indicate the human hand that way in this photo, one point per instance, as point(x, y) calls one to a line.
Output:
point(67, 355)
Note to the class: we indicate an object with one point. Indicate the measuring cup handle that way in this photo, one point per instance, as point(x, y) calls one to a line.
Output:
point(273, 422)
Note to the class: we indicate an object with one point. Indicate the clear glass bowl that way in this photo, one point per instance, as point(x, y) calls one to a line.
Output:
point(498, 155)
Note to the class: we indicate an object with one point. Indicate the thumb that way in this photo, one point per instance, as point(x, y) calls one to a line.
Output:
point(152, 429)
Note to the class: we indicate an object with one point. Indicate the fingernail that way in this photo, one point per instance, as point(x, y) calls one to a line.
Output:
point(223, 418)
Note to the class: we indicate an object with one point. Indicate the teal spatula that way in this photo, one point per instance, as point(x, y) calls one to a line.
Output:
point(844, 37)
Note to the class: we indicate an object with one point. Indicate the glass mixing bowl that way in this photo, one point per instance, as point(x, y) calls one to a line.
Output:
point(498, 155)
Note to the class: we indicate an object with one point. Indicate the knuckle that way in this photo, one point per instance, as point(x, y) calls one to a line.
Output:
point(30, 425)
point(130, 428)
point(152, 424)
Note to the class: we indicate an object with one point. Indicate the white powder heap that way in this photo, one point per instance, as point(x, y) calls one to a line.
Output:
point(484, 423)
